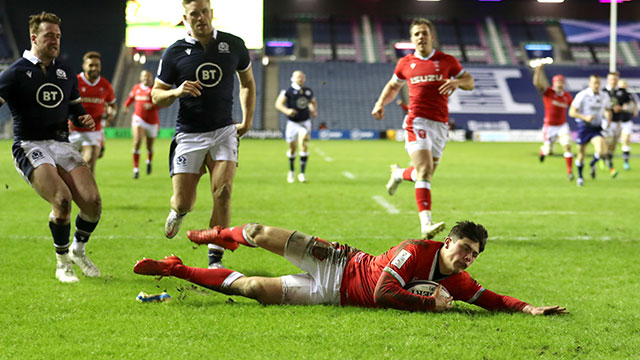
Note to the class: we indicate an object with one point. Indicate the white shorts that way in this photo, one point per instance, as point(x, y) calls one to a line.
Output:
point(324, 265)
point(425, 134)
point(627, 127)
point(612, 132)
point(551, 133)
point(80, 139)
point(150, 130)
point(28, 155)
point(294, 128)
point(189, 150)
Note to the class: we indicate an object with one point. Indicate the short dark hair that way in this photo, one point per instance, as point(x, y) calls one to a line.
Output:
point(37, 19)
point(92, 55)
point(616, 73)
point(470, 230)
point(421, 21)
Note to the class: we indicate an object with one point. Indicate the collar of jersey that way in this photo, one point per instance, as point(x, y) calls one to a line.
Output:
point(296, 86)
point(27, 54)
point(191, 40)
point(84, 78)
point(422, 57)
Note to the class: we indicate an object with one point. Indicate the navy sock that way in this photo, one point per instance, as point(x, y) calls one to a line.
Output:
point(580, 167)
point(292, 164)
point(215, 256)
point(303, 163)
point(60, 235)
point(626, 155)
point(594, 160)
point(84, 229)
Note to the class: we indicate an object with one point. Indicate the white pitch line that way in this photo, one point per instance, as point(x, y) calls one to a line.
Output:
point(386, 205)
point(348, 175)
point(324, 155)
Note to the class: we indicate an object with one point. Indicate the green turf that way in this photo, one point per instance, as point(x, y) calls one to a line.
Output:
point(551, 243)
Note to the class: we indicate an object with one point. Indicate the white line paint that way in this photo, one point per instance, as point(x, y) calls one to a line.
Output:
point(569, 238)
point(323, 155)
point(348, 175)
point(386, 205)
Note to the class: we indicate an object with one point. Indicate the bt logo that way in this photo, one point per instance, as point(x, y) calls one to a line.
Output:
point(49, 95)
point(209, 74)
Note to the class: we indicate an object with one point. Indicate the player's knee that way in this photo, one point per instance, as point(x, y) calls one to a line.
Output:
point(62, 202)
point(222, 192)
point(94, 207)
point(256, 288)
point(253, 231)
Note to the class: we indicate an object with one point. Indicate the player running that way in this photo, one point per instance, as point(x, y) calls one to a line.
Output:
point(342, 275)
point(202, 66)
point(622, 105)
point(42, 93)
point(591, 109)
point(144, 123)
point(99, 100)
point(556, 102)
point(432, 76)
point(627, 125)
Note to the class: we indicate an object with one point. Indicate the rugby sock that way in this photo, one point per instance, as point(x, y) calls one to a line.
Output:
point(136, 159)
point(595, 159)
point(60, 233)
point(292, 159)
point(626, 155)
point(238, 235)
point(214, 279)
point(84, 229)
point(423, 195)
point(580, 166)
point(303, 161)
point(215, 254)
point(409, 174)
point(149, 156)
point(568, 158)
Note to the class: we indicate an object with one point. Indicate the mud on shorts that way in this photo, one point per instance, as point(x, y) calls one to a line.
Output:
point(28, 155)
point(324, 264)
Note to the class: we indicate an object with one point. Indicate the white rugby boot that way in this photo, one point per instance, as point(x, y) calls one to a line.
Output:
point(85, 264)
point(64, 269)
point(392, 184)
point(302, 178)
point(172, 225)
point(432, 229)
point(291, 177)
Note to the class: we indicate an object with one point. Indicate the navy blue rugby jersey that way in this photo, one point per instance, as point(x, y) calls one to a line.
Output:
point(299, 100)
point(215, 68)
point(620, 96)
point(40, 104)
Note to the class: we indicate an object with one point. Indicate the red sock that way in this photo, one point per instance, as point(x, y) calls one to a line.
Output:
point(423, 195)
point(209, 278)
point(136, 160)
point(235, 234)
point(149, 156)
point(406, 174)
point(569, 161)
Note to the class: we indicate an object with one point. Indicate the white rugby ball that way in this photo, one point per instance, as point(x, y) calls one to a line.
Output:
point(425, 288)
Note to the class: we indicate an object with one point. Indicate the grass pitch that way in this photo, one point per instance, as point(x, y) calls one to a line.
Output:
point(550, 243)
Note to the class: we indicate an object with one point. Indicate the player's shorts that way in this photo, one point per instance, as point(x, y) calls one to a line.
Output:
point(324, 264)
point(150, 130)
point(80, 139)
point(294, 128)
point(551, 133)
point(613, 131)
point(627, 127)
point(425, 134)
point(189, 150)
point(28, 155)
point(586, 133)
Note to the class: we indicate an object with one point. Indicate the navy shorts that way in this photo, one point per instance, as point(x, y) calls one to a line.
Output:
point(586, 133)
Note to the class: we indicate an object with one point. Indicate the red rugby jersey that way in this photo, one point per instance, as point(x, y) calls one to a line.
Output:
point(144, 107)
point(555, 106)
point(94, 96)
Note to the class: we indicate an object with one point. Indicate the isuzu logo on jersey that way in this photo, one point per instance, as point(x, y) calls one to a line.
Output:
point(209, 74)
point(49, 95)
point(302, 102)
point(425, 78)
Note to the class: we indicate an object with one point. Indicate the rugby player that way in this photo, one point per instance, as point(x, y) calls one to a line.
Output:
point(202, 67)
point(556, 102)
point(621, 106)
point(300, 105)
point(432, 76)
point(342, 275)
point(42, 93)
point(145, 122)
point(99, 100)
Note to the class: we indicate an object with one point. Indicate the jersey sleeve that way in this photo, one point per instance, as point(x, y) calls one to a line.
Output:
point(577, 101)
point(131, 96)
point(6, 79)
point(495, 302)
point(404, 263)
point(398, 72)
point(111, 96)
point(167, 68)
point(244, 62)
point(456, 68)
point(548, 92)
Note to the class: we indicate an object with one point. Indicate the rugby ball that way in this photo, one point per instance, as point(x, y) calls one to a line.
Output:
point(425, 288)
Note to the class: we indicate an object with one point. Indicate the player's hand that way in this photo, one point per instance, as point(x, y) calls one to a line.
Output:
point(242, 129)
point(588, 118)
point(189, 88)
point(125, 110)
point(87, 121)
point(291, 112)
point(378, 111)
point(314, 114)
point(545, 310)
point(617, 108)
point(448, 87)
point(442, 303)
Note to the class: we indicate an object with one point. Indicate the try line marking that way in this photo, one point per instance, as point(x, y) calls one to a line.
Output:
point(323, 155)
point(348, 175)
point(386, 205)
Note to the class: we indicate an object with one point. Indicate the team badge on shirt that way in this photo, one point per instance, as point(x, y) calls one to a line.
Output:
point(61, 74)
point(223, 48)
point(401, 258)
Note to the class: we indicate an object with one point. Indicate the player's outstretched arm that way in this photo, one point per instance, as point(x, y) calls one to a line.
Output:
point(389, 92)
point(247, 100)
point(544, 310)
point(87, 121)
point(390, 294)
